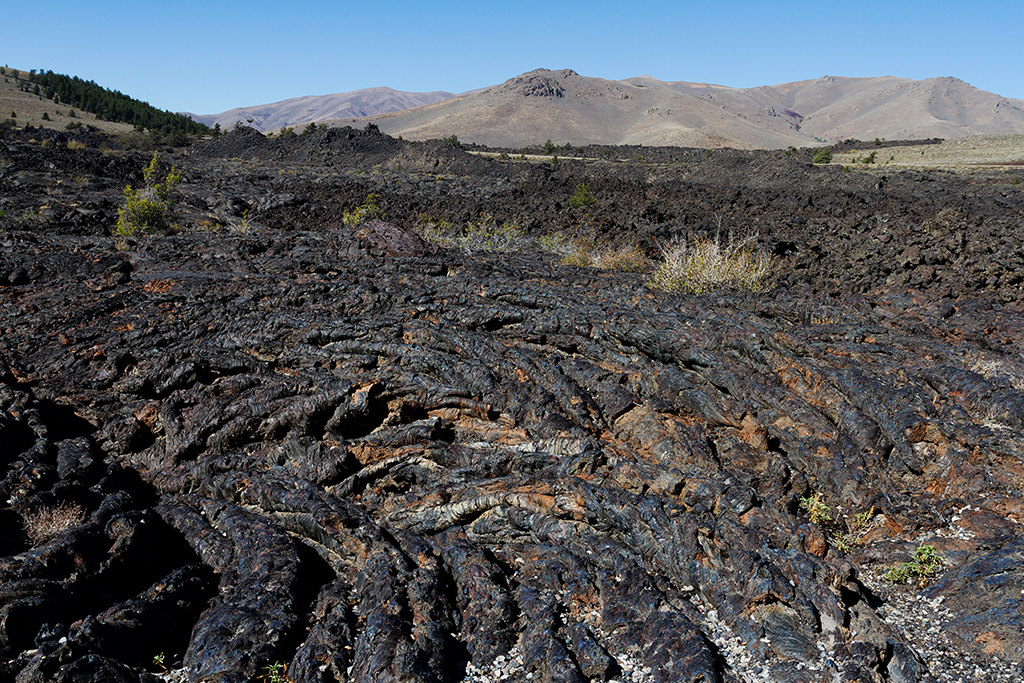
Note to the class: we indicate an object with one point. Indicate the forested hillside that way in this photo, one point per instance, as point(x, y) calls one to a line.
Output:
point(110, 105)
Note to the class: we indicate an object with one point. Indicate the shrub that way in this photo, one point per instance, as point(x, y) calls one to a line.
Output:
point(707, 265)
point(820, 513)
point(274, 673)
point(451, 140)
point(582, 251)
point(582, 198)
point(484, 235)
point(48, 522)
point(823, 155)
point(367, 211)
point(925, 564)
point(150, 209)
point(870, 159)
point(627, 258)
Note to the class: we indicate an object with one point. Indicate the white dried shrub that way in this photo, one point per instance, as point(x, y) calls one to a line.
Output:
point(707, 265)
point(48, 522)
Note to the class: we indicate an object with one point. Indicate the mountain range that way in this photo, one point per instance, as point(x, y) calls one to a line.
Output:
point(301, 111)
point(563, 106)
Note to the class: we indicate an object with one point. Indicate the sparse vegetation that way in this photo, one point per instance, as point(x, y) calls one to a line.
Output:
point(925, 564)
point(627, 258)
point(822, 155)
point(819, 512)
point(582, 198)
point(585, 252)
point(862, 519)
point(366, 211)
point(275, 673)
point(150, 209)
point(707, 265)
point(484, 235)
point(48, 522)
point(870, 159)
point(451, 140)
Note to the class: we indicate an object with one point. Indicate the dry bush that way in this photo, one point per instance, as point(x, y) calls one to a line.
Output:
point(585, 253)
point(999, 369)
point(484, 235)
point(47, 522)
point(574, 251)
point(627, 258)
point(708, 265)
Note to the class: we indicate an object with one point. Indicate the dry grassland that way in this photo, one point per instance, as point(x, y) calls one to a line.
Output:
point(969, 152)
point(29, 110)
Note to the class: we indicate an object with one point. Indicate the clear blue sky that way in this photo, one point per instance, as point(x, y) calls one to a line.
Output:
point(207, 57)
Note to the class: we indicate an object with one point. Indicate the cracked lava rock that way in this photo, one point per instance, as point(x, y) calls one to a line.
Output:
point(370, 459)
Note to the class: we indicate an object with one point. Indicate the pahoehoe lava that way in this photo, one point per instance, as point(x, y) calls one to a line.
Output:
point(373, 460)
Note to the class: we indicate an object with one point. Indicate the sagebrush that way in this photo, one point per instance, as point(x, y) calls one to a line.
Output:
point(707, 265)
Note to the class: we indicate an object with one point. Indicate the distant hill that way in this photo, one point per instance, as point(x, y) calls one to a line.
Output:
point(301, 111)
point(72, 92)
point(565, 107)
point(835, 108)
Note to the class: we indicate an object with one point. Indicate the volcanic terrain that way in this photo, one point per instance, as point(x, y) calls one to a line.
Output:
point(348, 452)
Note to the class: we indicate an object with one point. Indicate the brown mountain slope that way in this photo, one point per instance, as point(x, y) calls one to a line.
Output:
point(314, 108)
point(832, 108)
point(565, 107)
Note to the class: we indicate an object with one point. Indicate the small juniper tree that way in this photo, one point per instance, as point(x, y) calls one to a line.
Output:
point(822, 155)
point(582, 198)
point(150, 209)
